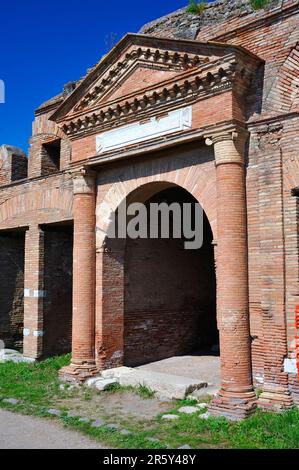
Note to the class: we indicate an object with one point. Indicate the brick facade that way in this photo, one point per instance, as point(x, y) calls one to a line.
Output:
point(236, 72)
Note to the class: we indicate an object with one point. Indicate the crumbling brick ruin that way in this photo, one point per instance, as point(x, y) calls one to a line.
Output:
point(218, 96)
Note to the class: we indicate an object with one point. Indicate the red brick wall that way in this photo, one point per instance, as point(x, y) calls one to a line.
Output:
point(45, 131)
point(13, 164)
point(271, 174)
point(206, 112)
point(38, 201)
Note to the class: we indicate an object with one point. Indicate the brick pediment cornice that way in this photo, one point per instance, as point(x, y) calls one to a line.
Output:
point(197, 71)
point(188, 88)
point(155, 59)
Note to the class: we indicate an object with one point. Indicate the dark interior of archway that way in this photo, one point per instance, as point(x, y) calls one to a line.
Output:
point(58, 275)
point(12, 249)
point(170, 295)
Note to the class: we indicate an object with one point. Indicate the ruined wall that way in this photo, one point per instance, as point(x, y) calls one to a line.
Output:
point(46, 132)
point(13, 164)
point(12, 289)
point(218, 15)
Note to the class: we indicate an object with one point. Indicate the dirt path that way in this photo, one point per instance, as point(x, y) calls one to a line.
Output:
point(25, 432)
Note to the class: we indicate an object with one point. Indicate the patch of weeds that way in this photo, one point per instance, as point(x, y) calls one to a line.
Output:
point(259, 4)
point(87, 394)
point(196, 8)
point(142, 390)
point(117, 388)
point(186, 402)
point(145, 392)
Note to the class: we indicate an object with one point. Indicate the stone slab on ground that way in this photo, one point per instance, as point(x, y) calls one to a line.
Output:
point(165, 386)
point(91, 382)
point(54, 412)
point(206, 368)
point(112, 427)
point(205, 415)
point(100, 383)
point(116, 373)
point(10, 355)
point(152, 439)
point(10, 401)
point(98, 423)
point(125, 432)
point(202, 406)
point(84, 420)
point(170, 417)
point(103, 384)
point(189, 410)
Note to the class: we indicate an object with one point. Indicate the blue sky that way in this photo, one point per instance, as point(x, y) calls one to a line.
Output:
point(46, 44)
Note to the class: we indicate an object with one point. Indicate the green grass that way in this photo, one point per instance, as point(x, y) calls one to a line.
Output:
point(36, 386)
point(33, 383)
point(259, 4)
point(142, 390)
point(196, 8)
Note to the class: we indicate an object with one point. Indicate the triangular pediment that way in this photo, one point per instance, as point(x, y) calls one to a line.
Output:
point(136, 65)
point(141, 76)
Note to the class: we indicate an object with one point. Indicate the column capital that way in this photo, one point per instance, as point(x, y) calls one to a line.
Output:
point(84, 181)
point(231, 132)
point(229, 143)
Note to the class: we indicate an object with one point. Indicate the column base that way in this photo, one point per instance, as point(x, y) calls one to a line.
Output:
point(233, 405)
point(78, 373)
point(275, 398)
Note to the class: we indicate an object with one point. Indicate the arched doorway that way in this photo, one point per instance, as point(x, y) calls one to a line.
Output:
point(170, 293)
point(163, 296)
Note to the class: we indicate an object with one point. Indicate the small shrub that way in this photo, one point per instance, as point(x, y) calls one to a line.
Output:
point(259, 4)
point(196, 8)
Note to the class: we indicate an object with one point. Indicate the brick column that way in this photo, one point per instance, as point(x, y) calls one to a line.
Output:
point(83, 329)
point(236, 399)
point(34, 293)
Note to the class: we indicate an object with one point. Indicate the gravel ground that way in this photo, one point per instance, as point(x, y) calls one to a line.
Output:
point(25, 432)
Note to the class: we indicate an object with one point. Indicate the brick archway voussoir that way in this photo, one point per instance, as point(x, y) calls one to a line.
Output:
point(38, 201)
point(201, 184)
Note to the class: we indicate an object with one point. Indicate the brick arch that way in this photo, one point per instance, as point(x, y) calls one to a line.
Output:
point(284, 94)
point(200, 183)
point(47, 201)
point(199, 180)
